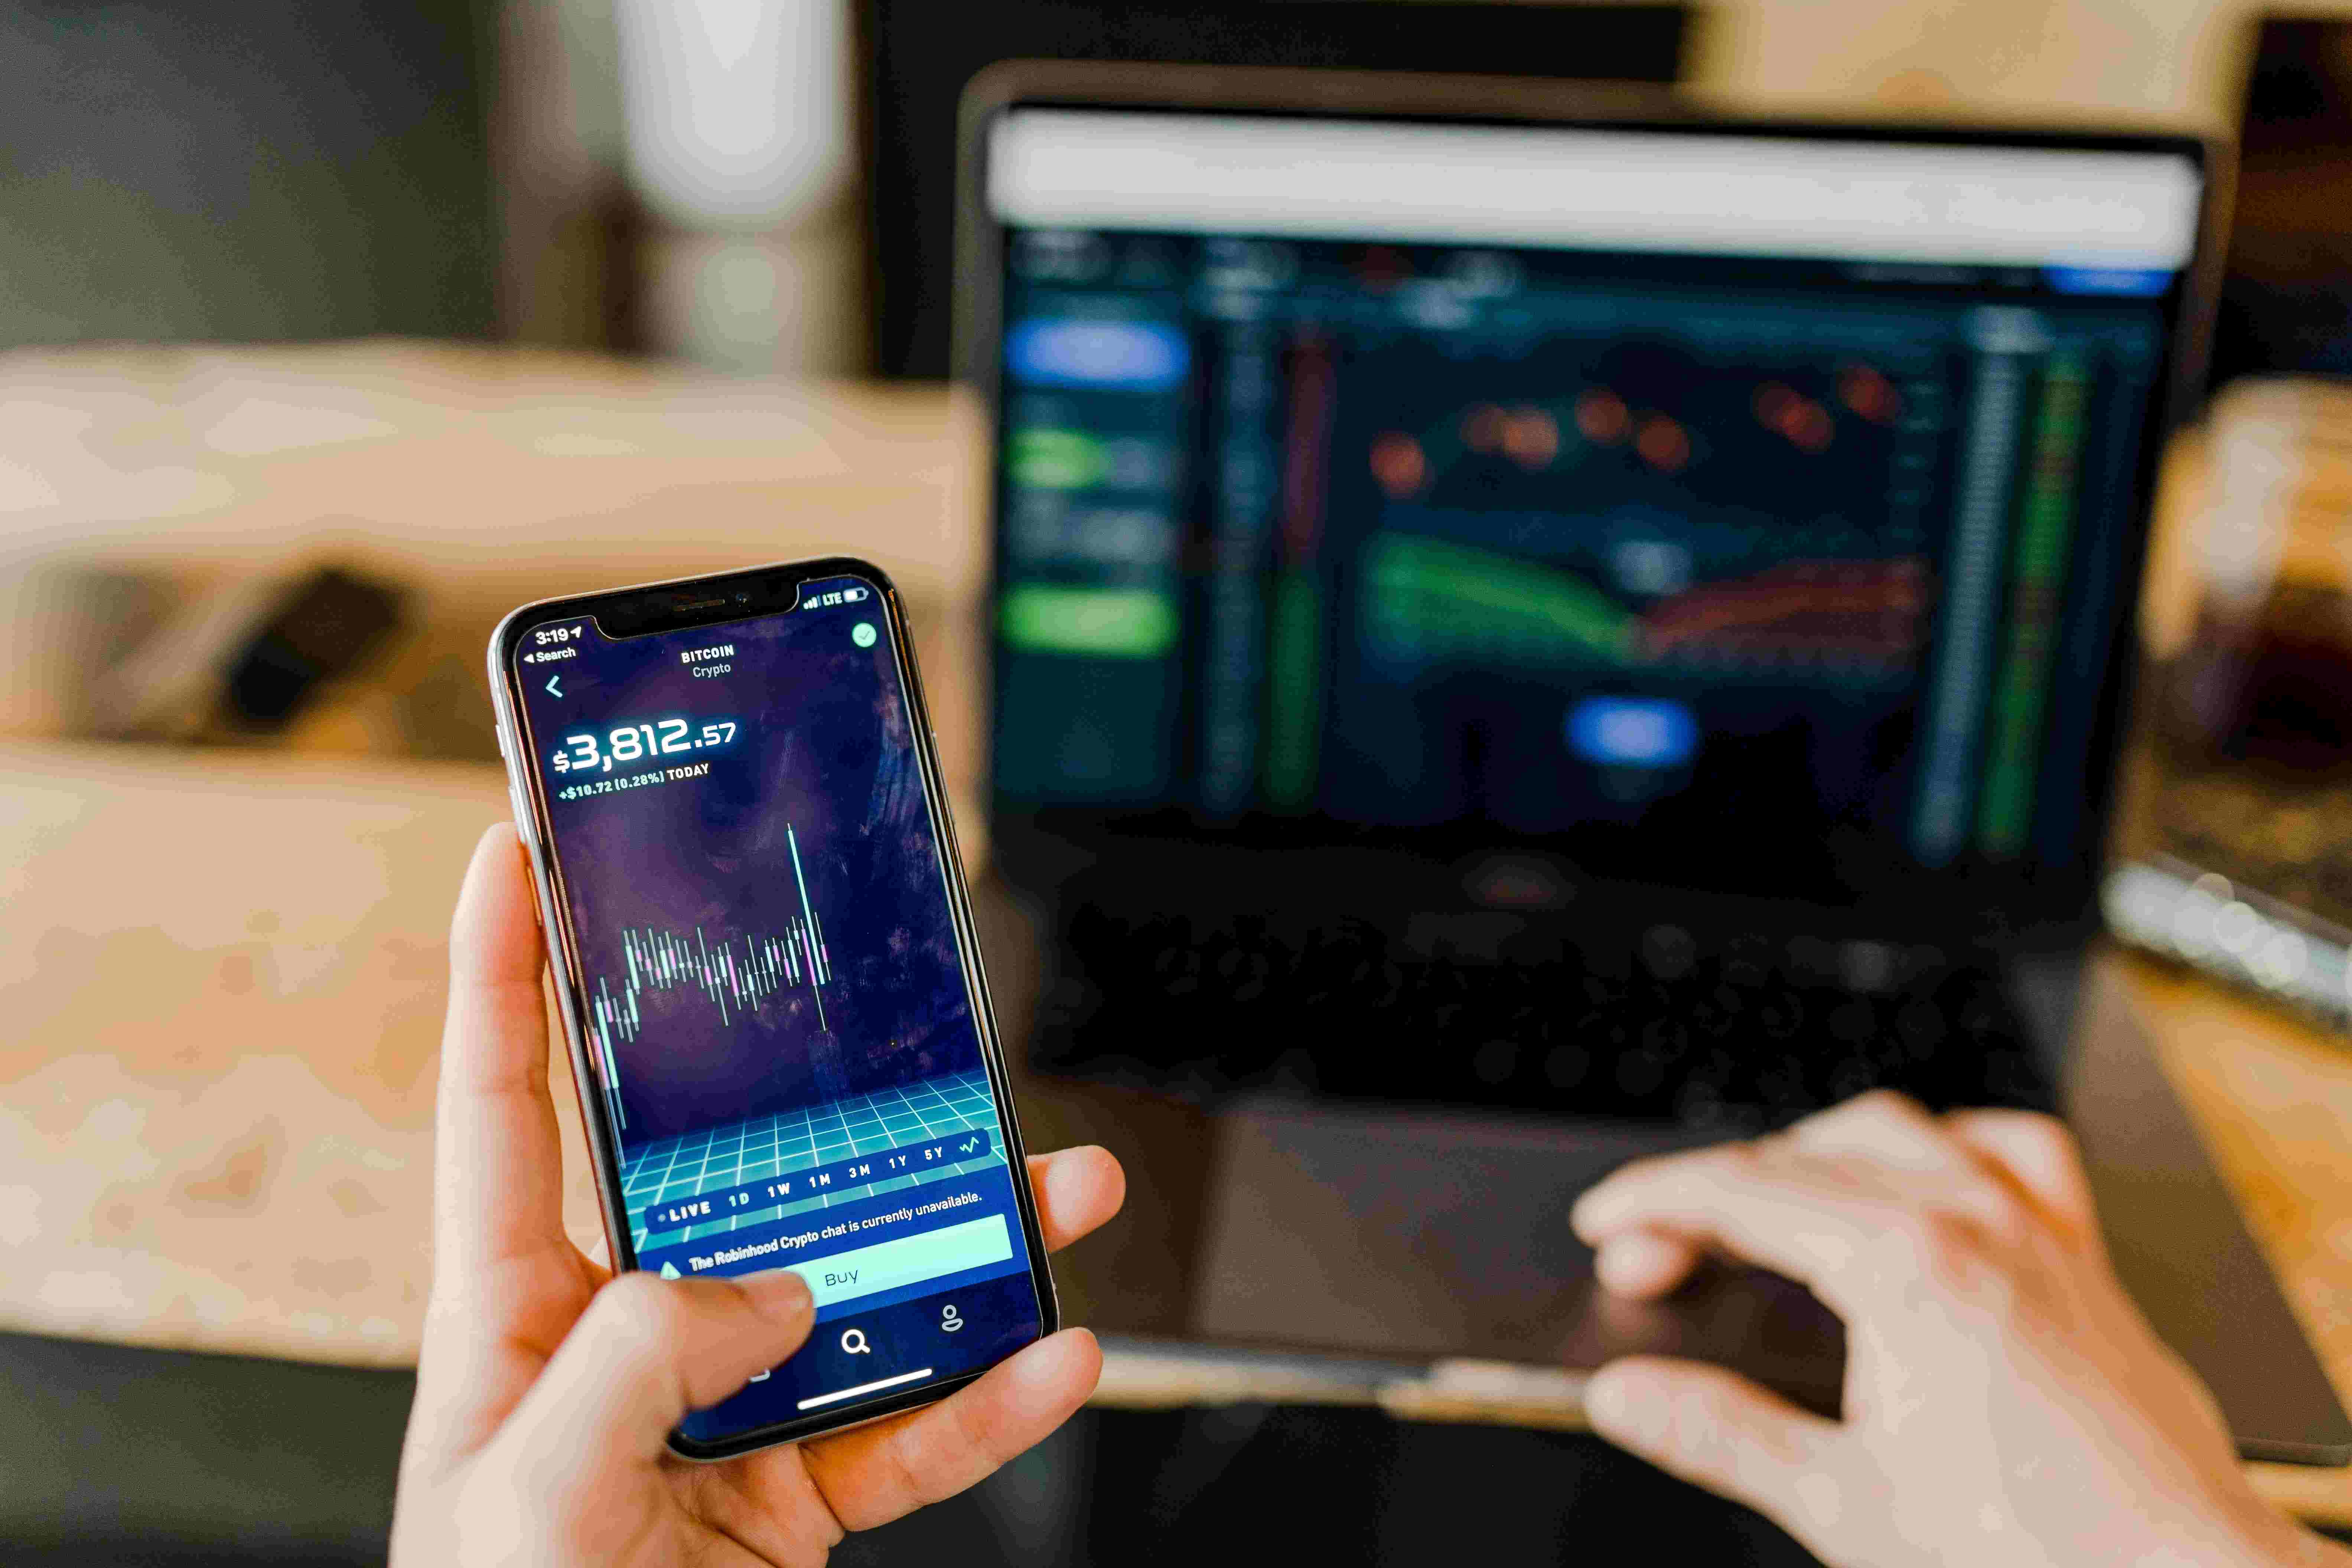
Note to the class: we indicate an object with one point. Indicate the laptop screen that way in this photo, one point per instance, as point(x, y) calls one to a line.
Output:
point(1743, 512)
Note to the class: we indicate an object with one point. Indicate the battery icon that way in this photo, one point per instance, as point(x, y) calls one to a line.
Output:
point(850, 596)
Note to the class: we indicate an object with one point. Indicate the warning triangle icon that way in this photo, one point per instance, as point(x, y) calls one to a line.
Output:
point(669, 1270)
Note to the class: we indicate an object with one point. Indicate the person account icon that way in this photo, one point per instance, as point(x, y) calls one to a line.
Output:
point(951, 1319)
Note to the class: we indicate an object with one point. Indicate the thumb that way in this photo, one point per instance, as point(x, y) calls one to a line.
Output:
point(1717, 1429)
point(647, 1350)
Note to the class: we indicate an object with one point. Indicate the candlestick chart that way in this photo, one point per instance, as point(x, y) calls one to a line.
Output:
point(736, 975)
point(1763, 523)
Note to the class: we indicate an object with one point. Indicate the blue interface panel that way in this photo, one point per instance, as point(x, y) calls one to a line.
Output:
point(1798, 575)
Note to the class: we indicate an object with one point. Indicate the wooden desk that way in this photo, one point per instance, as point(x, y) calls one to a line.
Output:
point(222, 973)
point(476, 477)
point(2273, 1099)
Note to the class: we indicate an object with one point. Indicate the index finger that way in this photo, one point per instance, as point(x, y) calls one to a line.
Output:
point(1766, 1203)
point(498, 1161)
point(1077, 1190)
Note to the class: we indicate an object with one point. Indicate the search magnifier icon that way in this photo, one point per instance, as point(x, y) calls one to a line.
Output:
point(853, 1343)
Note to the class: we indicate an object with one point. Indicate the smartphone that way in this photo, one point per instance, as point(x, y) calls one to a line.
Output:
point(763, 951)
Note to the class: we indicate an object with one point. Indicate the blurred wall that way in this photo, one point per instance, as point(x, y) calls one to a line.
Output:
point(556, 150)
point(2170, 58)
point(264, 169)
point(270, 169)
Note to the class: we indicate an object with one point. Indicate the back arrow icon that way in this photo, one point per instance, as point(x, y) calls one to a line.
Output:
point(552, 689)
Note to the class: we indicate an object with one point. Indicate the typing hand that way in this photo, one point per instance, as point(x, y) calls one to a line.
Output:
point(546, 1388)
point(2005, 1406)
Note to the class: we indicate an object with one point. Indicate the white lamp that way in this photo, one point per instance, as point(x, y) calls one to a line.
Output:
point(737, 111)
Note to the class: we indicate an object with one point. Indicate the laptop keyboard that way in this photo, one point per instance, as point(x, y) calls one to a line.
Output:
point(1475, 1009)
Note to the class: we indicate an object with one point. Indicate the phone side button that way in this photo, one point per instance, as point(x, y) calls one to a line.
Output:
point(524, 830)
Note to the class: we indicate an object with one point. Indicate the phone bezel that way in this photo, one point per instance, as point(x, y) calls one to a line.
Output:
point(533, 824)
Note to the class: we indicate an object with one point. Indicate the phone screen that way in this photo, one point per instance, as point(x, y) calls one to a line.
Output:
point(776, 1003)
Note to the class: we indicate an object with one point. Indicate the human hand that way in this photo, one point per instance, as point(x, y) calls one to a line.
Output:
point(546, 1388)
point(2005, 1405)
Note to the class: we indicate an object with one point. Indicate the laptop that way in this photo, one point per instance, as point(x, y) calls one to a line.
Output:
point(1530, 628)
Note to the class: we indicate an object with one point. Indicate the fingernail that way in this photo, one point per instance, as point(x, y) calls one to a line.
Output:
point(779, 1294)
point(1043, 1381)
point(1043, 1366)
point(1585, 1213)
point(1630, 1260)
point(1619, 1401)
